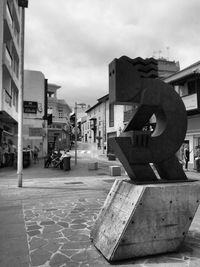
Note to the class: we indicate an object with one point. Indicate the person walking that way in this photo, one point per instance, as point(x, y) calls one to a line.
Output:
point(35, 155)
point(186, 156)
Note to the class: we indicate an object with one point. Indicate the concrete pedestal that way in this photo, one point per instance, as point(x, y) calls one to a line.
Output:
point(115, 170)
point(140, 220)
point(92, 165)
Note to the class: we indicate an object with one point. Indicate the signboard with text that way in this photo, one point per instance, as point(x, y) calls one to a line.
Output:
point(30, 107)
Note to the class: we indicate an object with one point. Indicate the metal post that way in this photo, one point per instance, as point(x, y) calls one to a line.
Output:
point(20, 101)
point(75, 132)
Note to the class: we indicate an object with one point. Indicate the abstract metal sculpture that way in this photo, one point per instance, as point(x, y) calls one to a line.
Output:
point(134, 81)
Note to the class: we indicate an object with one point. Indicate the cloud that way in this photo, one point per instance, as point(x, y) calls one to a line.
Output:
point(72, 42)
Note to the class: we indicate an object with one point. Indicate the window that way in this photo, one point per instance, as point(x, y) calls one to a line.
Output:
point(191, 87)
point(60, 113)
point(188, 88)
point(111, 115)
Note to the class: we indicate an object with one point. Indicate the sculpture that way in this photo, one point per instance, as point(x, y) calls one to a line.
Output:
point(134, 81)
point(146, 214)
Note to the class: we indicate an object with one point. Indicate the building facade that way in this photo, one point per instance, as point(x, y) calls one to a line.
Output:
point(34, 125)
point(187, 83)
point(10, 46)
point(59, 129)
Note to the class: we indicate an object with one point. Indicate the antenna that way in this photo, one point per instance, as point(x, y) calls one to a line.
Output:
point(168, 48)
point(159, 53)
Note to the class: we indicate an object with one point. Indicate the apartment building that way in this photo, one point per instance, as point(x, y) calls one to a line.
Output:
point(59, 129)
point(10, 46)
point(187, 83)
point(34, 125)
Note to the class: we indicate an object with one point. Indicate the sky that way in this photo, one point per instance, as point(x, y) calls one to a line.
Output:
point(72, 41)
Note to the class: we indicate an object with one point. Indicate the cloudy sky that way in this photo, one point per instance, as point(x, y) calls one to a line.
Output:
point(73, 41)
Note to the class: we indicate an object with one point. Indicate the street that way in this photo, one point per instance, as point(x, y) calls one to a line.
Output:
point(48, 221)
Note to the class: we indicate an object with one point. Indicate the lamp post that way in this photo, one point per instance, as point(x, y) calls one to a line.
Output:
point(75, 129)
point(23, 4)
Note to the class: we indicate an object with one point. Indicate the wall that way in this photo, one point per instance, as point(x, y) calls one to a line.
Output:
point(34, 84)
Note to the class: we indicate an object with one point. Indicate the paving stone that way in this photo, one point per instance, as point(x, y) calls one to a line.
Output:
point(33, 233)
point(37, 243)
point(52, 246)
point(70, 252)
point(80, 256)
point(78, 238)
point(75, 245)
point(61, 213)
point(51, 228)
point(78, 221)
point(58, 259)
point(51, 209)
point(93, 253)
point(61, 240)
point(63, 224)
point(47, 223)
point(39, 257)
point(50, 235)
point(68, 232)
point(78, 226)
point(33, 227)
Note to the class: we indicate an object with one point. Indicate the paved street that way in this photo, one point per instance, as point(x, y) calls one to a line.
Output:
point(48, 221)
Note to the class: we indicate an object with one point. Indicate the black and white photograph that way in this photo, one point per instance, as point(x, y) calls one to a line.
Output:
point(99, 133)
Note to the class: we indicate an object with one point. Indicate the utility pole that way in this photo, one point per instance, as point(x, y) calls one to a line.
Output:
point(75, 129)
point(23, 4)
point(75, 132)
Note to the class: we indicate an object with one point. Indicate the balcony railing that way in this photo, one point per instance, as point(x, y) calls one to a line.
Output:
point(9, 16)
point(8, 56)
point(8, 98)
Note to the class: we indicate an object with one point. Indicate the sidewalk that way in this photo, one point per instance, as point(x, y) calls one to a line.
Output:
point(48, 221)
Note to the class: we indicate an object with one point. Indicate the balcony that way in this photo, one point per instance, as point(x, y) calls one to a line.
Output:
point(8, 98)
point(9, 64)
point(8, 106)
point(10, 28)
point(93, 124)
point(190, 102)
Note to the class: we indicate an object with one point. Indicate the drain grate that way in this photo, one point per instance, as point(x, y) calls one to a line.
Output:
point(74, 183)
point(102, 173)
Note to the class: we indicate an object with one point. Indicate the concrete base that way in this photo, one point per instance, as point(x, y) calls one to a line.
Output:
point(140, 220)
point(93, 166)
point(115, 170)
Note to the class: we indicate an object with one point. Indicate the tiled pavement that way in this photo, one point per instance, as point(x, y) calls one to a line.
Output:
point(48, 221)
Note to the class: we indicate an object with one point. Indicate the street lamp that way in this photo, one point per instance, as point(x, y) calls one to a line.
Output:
point(23, 4)
point(75, 129)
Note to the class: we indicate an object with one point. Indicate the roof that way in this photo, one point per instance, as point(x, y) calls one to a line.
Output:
point(192, 69)
point(100, 101)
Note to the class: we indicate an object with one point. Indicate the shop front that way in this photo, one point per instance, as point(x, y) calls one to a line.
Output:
point(193, 139)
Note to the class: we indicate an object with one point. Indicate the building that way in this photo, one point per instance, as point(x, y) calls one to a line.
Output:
point(34, 125)
point(167, 67)
point(94, 125)
point(59, 129)
point(102, 122)
point(10, 46)
point(187, 83)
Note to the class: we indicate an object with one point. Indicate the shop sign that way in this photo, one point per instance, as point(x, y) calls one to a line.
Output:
point(190, 102)
point(30, 107)
point(36, 131)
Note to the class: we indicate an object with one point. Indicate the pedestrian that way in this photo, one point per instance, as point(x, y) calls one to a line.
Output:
point(35, 154)
point(186, 154)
